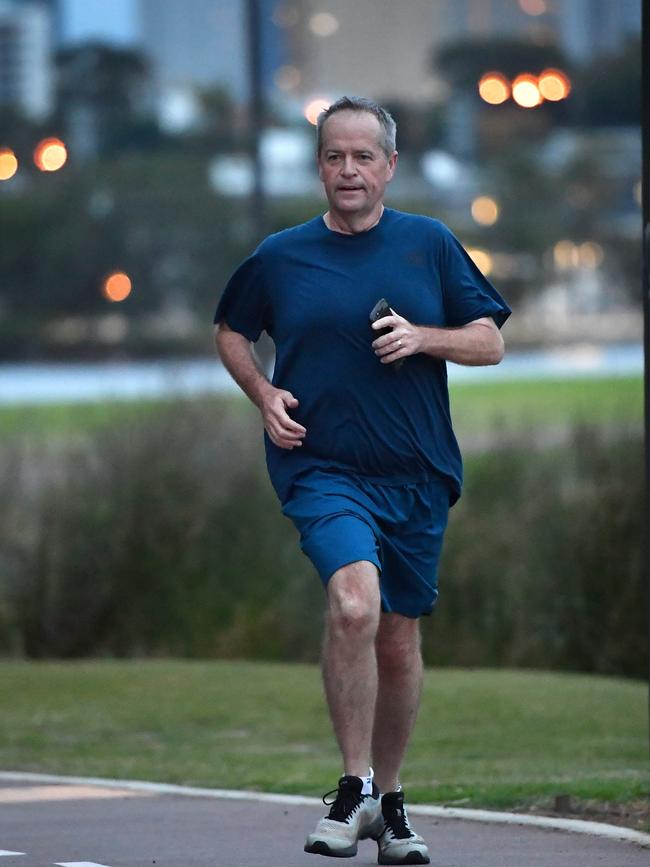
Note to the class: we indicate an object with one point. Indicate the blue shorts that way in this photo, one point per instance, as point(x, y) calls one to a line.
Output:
point(344, 517)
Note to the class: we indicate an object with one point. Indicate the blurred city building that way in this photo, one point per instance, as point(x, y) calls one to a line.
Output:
point(386, 49)
point(26, 48)
point(153, 101)
point(188, 51)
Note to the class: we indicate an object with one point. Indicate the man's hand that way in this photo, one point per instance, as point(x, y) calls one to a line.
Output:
point(281, 428)
point(405, 338)
point(477, 343)
point(237, 354)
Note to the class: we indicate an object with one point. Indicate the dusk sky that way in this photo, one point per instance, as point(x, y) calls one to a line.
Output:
point(113, 20)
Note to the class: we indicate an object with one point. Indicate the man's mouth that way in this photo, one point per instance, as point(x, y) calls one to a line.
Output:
point(349, 188)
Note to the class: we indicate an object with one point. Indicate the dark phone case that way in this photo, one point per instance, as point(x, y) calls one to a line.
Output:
point(381, 309)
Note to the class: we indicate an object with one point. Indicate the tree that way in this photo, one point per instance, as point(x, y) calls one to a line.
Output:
point(104, 96)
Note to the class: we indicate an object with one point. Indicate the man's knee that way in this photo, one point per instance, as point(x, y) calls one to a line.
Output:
point(398, 643)
point(353, 598)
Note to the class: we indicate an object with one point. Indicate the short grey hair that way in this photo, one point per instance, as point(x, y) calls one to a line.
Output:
point(360, 103)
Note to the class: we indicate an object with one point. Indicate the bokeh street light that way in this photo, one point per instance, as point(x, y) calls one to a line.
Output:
point(533, 7)
point(525, 91)
point(323, 24)
point(494, 88)
point(314, 107)
point(554, 85)
point(485, 210)
point(50, 155)
point(482, 260)
point(8, 164)
point(117, 286)
point(568, 256)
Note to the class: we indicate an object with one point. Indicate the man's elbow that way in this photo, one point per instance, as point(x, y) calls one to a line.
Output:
point(497, 349)
point(220, 331)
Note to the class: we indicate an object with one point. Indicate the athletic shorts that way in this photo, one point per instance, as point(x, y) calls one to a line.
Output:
point(344, 517)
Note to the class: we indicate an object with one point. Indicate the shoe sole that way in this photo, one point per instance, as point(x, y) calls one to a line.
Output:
point(320, 847)
point(411, 858)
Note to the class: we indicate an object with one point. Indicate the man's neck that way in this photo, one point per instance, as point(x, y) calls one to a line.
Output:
point(353, 224)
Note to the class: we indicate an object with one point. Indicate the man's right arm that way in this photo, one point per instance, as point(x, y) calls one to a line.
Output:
point(238, 356)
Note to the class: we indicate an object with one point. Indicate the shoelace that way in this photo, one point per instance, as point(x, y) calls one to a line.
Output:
point(398, 824)
point(344, 805)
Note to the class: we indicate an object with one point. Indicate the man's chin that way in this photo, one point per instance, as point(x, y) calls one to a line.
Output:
point(350, 204)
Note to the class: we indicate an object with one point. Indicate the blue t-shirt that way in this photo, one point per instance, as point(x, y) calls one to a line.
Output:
point(312, 290)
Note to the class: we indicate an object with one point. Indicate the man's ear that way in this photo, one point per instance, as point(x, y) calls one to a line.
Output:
point(392, 165)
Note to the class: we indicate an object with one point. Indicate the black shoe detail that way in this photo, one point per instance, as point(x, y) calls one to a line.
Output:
point(347, 801)
point(395, 818)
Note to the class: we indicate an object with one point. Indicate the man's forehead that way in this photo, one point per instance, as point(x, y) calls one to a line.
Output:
point(349, 127)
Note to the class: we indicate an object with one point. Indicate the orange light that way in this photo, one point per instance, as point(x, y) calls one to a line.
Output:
point(554, 85)
point(485, 210)
point(8, 164)
point(314, 108)
point(525, 91)
point(482, 260)
point(50, 155)
point(116, 287)
point(533, 7)
point(494, 88)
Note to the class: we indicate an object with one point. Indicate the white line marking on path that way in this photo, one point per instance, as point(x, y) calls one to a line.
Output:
point(578, 826)
point(79, 864)
point(27, 794)
point(7, 852)
point(62, 792)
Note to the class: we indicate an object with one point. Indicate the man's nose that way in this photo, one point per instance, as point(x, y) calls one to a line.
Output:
point(349, 167)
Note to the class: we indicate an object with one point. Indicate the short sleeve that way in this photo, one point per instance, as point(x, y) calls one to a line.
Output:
point(244, 304)
point(467, 293)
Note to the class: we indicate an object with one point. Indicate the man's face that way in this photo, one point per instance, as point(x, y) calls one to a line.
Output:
point(352, 165)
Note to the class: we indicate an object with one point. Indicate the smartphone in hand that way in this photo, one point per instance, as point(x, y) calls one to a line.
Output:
point(382, 308)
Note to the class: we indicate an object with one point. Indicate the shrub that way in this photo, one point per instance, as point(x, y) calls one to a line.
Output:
point(162, 536)
point(542, 560)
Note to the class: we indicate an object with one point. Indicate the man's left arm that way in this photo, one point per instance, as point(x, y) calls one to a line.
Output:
point(477, 343)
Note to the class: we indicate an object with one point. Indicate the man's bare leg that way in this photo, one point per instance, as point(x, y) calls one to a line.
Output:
point(399, 664)
point(349, 661)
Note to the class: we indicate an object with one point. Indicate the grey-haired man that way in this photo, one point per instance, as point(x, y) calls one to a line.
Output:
point(362, 454)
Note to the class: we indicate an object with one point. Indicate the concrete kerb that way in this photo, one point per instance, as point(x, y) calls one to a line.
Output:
point(577, 826)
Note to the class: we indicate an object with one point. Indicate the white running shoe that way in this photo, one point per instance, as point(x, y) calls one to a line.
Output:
point(398, 843)
point(352, 817)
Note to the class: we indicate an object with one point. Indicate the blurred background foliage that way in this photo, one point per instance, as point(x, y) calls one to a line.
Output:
point(162, 537)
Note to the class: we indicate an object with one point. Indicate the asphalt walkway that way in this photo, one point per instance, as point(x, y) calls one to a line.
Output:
point(44, 823)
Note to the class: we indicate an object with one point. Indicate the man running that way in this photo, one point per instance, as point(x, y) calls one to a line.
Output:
point(359, 443)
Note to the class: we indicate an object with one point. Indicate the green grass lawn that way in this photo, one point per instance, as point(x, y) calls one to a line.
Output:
point(499, 739)
point(514, 405)
point(522, 404)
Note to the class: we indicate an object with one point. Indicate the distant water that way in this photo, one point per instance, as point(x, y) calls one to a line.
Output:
point(28, 383)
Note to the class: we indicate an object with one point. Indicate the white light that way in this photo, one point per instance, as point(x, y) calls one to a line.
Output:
point(323, 24)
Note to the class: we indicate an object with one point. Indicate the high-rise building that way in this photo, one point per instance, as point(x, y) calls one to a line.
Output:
point(26, 69)
point(201, 44)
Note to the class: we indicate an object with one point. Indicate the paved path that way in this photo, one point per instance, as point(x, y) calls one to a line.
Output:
point(44, 824)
